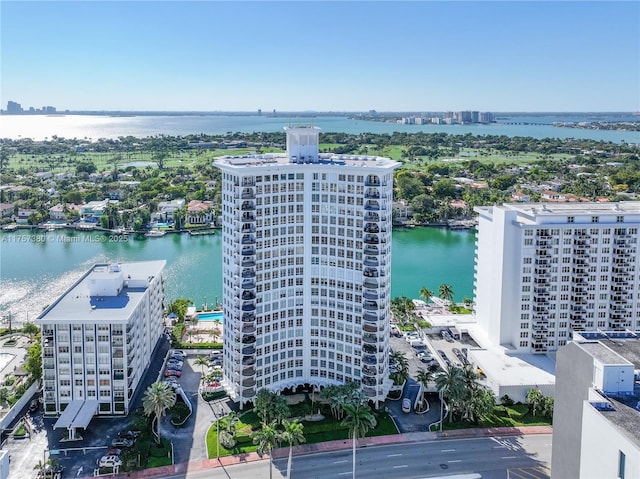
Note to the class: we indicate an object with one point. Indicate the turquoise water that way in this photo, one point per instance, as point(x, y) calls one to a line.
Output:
point(210, 317)
point(36, 268)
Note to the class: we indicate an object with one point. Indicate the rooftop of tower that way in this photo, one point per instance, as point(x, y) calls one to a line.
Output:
point(620, 208)
point(86, 300)
point(281, 159)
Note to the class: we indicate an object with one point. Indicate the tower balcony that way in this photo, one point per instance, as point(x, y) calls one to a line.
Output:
point(248, 194)
point(372, 217)
point(372, 239)
point(370, 338)
point(249, 339)
point(372, 205)
point(371, 328)
point(248, 284)
point(248, 393)
point(371, 317)
point(370, 261)
point(370, 359)
point(371, 228)
point(248, 382)
point(371, 283)
point(370, 306)
point(248, 206)
point(248, 328)
point(371, 250)
point(248, 360)
point(372, 193)
point(247, 262)
point(248, 251)
point(370, 294)
point(248, 239)
point(249, 306)
point(246, 217)
point(369, 381)
point(248, 273)
point(371, 272)
point(248, 350)
point(373, 181)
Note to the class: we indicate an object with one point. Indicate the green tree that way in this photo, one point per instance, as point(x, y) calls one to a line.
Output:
point(34, 360)
point(202, 361)
point(156, 400)
point(263, 405)
point(179, 307)
point(445, 291)
point(402, 368)
point(425, 293)
point(267, 438)
point(452, 387)
point(30, 329)
point(444, 188)
point(535, 400)
point(359, 420)
point(294, 436)
point(228, 430)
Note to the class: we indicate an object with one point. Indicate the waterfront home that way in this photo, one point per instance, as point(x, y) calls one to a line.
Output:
point(23, 216)
point(200, 212)
point(93, 208)
point(57, 212)
point(6, 210)
point(166, 210)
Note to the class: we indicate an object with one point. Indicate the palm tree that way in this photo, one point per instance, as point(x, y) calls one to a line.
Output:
point(294, 436)
point(451, 385)
point(445, 291)
point(424, 377)
point(402, 368)
point(228, 432)
point(266, 438)
point(425, 293)
point(157, 399)
point(359, 420)
point(202, 361)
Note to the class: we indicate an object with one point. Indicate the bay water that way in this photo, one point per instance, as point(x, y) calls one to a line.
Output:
point(37, 266)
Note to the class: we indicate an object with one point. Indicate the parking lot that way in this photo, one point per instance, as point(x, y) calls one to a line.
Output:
point(79, 458)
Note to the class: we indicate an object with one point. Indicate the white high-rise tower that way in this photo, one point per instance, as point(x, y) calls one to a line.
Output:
point(306, 269)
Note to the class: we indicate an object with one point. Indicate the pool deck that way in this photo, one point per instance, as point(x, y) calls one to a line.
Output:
point(203, 328)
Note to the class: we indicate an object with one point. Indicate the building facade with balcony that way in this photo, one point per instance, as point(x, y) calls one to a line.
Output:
point(99, 336)
point(306, 269)
point(546, 270)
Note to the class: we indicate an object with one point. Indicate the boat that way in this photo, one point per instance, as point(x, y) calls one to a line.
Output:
point(10, 227)
point(210, 231)
point(155, 234)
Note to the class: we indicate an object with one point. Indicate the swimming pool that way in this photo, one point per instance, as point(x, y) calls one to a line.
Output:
point(217, 316)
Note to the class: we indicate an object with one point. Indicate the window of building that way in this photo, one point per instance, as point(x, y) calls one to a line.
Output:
point(622, 458)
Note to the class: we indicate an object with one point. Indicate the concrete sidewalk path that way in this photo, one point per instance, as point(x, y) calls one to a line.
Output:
point(339, 445)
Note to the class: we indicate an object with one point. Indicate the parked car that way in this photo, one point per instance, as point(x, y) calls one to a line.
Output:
point(174, 367)
point(175, 361)
point(121, 442)
point(172, 382)
point(406, 405)
point(127, 434)
point(442, 354)
point(177, 352)
point(109, 461)
point(456, 351)
point(172, 372)
point(34, 405)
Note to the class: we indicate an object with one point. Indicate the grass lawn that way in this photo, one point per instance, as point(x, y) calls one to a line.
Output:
point(513, 416)
point(326, 430)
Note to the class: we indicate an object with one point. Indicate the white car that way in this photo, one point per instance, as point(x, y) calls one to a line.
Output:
point(406, 405)
point(110, 461)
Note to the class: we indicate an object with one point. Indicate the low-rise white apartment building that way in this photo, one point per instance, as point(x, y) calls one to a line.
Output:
point(546, 270)
point(99, 336)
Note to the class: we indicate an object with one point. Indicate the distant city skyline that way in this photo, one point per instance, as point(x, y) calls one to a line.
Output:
point(322, 56)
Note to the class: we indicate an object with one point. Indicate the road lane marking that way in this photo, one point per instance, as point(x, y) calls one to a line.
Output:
point(508, 457)
point(340, 462)
point(398, 467)
point(447, 450)
point(344, 473)
point(393, 455)
point(455, 460)
point(499, 447)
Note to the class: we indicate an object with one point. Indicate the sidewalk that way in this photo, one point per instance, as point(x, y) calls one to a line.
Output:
point(339, 445)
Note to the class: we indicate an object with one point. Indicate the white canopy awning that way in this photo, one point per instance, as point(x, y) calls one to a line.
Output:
point(77, 414)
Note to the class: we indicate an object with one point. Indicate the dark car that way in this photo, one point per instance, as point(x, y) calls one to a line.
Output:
point(174, 367)
point(34, 405)
point(442, 354)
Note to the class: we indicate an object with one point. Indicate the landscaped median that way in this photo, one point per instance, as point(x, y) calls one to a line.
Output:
point(328, 429)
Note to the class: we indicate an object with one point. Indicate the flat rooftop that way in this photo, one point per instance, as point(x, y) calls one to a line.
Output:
point(324, 159)
point(603, 353)
point(540, 210)
point(515, 369)
point(76, 304)
point(624, 343)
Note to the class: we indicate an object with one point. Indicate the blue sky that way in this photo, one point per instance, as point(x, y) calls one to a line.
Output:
point(340, 56)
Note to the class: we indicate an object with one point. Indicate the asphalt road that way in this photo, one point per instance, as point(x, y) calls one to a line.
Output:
point(490, 458)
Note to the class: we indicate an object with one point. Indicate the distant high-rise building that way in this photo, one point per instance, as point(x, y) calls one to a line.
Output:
point(13, 108)
point(306, 269)
point(546, 270)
